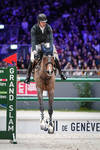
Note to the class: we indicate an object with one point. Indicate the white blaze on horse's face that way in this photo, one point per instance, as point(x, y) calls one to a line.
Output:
point(49, 66)
point(50, 69)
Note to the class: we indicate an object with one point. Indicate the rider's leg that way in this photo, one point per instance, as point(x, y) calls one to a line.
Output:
point(57, 65)
point(30, 67)
point(33, 62)
point(59, 69)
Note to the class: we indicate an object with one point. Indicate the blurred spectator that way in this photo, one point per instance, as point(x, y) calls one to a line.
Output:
point(27, 60)
point(24, 25)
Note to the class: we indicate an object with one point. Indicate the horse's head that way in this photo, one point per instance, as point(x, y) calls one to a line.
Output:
point(48, 64)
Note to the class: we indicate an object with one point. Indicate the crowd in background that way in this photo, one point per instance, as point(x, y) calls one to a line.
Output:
point(76, 29)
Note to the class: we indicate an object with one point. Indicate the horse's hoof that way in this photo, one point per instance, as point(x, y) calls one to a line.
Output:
point(46, 126)
point(45, 129)
point(51, 129)
point(42, 125)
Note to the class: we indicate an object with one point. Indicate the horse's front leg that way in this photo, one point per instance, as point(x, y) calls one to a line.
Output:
point(40, 98)
point(50, 111)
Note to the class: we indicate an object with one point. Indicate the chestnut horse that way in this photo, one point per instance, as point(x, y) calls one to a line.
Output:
point(44, 77)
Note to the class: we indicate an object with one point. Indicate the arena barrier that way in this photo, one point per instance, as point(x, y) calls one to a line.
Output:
point(84, 79)
point(8, 99)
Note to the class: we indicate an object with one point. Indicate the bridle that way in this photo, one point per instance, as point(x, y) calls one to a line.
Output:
point(49, 72)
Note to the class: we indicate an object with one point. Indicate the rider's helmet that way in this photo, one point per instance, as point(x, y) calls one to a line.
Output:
point(42, 18)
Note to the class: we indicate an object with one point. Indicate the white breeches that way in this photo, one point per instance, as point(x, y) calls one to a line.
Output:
point(38, 47)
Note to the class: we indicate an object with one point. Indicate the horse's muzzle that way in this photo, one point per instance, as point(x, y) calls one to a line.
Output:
point(49, 72)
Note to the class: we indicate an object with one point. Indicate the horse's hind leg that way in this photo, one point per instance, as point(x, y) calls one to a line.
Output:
point(50, 111)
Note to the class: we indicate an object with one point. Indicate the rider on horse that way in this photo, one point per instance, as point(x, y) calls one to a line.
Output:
point(42, 42)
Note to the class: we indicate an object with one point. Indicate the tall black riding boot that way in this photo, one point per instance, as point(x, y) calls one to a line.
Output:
point(59, 69)
point(27, 80)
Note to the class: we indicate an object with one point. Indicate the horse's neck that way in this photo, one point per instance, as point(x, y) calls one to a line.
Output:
point(42, 70)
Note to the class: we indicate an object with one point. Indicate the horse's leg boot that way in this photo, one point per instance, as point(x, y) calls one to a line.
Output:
point(59, 69)
point(27, 80)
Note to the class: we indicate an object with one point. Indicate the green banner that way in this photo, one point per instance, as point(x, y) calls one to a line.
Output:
point(8, 97)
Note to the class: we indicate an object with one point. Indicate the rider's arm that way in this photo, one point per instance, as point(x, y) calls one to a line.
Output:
point(33, 39)
point(51, 36)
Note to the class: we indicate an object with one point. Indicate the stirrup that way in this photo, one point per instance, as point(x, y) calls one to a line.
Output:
point(63, 77)
point(27, 81)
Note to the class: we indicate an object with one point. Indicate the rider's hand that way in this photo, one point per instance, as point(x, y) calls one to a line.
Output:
point(35, 52)
point(36, 56)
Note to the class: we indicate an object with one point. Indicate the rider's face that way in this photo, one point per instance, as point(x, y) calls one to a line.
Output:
point(42, 24)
